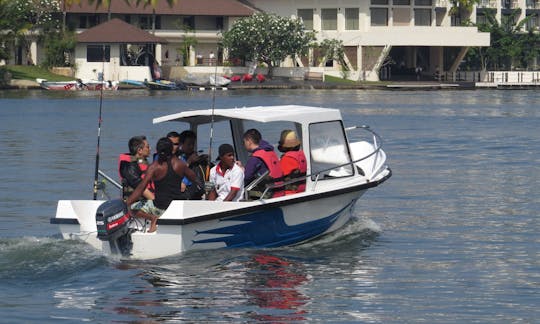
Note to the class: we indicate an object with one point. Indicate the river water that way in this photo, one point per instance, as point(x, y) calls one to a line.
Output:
point(452, 237)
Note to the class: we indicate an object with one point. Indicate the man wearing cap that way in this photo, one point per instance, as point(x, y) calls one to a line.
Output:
point(227, 176)
point(293, 162)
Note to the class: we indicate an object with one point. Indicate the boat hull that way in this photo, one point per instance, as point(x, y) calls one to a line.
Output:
point(253, 226)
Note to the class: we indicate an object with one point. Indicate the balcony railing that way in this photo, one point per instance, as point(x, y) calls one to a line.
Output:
point(441, 3)
point(487, 4)
point(531, 4)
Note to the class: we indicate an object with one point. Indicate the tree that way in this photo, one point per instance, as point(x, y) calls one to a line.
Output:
point(510, 46)
point(267, 38)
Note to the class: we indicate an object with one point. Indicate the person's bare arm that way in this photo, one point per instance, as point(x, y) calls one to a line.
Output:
point(141, 187)
point(231, 194)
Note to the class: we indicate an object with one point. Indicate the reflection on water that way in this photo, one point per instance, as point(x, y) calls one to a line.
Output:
point(452, 237)
point(274, 283)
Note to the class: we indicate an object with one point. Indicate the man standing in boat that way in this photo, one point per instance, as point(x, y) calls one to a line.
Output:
point(167, 173)
point(262, 159)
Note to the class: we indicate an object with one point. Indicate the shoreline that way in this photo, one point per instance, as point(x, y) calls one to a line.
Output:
point(278, 83)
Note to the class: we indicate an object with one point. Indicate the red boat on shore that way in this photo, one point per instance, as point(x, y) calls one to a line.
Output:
point(75, 85)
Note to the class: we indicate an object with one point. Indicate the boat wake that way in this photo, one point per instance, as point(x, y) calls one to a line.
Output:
point(42, 259)
point(361, 231)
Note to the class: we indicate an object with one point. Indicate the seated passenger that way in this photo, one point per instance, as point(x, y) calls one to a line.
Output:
point(293, 162)
point(166, 173)
point(262, 159)
point(132, 165)
point(197, 163)
point(175, 139)
point(227, 177)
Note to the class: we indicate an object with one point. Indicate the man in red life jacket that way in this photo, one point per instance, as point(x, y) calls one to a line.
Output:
point(133, 165)
point(263, 158)
point(293, 162)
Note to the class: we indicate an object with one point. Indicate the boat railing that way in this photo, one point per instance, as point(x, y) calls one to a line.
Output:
point(377, 144)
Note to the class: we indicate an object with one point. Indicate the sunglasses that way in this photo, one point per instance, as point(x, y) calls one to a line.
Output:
point(175, 144)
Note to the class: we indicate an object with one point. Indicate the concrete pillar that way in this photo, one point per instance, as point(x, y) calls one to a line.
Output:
point(33, 52)
point(158, 53)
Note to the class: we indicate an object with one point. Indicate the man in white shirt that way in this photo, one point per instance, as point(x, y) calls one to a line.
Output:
point(227, 176)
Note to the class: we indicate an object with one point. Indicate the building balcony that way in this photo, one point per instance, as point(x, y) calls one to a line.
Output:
point(533, 4)
point(441, 3)
point(487, 4)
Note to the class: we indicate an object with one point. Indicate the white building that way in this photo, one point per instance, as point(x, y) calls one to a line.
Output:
point(414, 33)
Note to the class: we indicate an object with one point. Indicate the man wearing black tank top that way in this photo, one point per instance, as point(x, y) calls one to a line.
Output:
point(167, 173)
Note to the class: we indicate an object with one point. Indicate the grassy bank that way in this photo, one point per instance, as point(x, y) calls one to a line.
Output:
point(30, 72)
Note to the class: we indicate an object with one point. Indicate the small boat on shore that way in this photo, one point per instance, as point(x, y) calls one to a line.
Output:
point(339, 172)
point(75, 85)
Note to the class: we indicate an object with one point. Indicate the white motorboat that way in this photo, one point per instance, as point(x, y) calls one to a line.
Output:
point(339, 173)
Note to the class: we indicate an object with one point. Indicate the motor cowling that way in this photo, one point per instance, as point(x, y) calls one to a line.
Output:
point(112, 221)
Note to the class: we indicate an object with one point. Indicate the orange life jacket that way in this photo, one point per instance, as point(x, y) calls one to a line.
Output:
point(275, 173)
point(299, 186)
point(126, 157)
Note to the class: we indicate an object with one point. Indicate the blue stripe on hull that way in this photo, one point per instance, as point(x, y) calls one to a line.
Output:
point(267, 228)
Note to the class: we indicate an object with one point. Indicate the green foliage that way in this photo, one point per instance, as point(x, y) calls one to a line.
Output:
point(267, 38)
point(510, 46)
point(188, 40)
point(332, 49)
point(31, 72)
point(58, 46)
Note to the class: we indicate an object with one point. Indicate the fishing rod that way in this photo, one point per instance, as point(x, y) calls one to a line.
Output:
point(212, 122)
point(96, 173)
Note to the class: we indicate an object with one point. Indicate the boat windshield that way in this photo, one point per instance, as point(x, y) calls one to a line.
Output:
point(329, 151)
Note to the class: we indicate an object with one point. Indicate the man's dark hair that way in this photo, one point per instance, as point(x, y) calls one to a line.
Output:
point(164, 149)
point(135, 143)
point(187, 134)
point(253, 135)
point(173, 134)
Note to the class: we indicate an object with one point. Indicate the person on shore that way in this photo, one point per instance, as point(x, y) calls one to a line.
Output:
point(293, 162)
point(262, 159)
point(132, 165)
point(166, 173)
point(227, 177)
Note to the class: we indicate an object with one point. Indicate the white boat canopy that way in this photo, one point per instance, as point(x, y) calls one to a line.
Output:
point(293, 113)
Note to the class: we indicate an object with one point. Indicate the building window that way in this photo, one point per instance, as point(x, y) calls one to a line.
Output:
point(481, 19)
point(188, 22)
point(351, 18)
point(422, 17)
point(219, 23)
point(329, 19)
point(307, 17)
point(145, 22)
point(402, 2)
point(88, 21)
point(95, 53)
point(422, 2)
point(379, 17)
point(379, 2)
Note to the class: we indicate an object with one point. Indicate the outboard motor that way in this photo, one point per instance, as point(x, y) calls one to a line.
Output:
point(112, 220)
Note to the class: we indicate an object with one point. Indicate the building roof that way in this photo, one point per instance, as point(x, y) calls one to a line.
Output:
point(117, 31)
point(181, 7)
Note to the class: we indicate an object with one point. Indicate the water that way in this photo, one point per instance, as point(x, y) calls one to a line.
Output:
point(452, 237)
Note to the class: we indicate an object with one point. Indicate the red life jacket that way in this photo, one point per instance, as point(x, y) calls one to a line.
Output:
point(276, 174)
point(126, 157)
point(299, 186)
